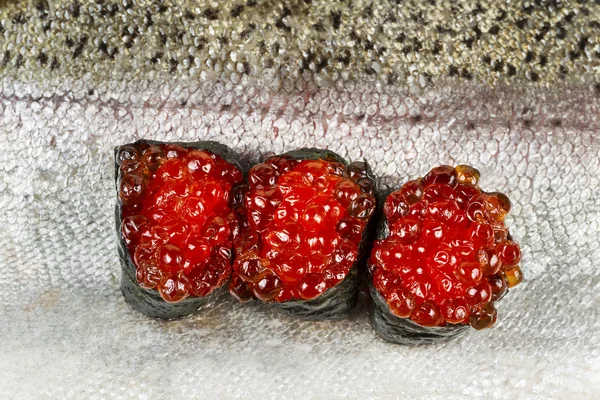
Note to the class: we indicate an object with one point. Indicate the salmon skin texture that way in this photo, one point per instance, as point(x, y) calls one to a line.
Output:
point(510, 88)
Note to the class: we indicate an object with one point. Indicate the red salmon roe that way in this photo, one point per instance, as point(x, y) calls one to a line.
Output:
point(176, 219)
point(447, 258)
point(304, 223)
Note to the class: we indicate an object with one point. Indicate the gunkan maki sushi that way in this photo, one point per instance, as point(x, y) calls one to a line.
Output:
point(443, 257)
point(306, 224)
point(174, 222)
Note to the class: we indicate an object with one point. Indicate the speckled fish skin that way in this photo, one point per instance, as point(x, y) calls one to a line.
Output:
point(428, 86)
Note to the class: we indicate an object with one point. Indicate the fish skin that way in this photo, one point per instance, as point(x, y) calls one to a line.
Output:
point(537, 142)
point(409, 41)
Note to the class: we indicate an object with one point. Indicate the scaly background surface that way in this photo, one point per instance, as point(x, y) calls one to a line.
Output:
point(509, 87)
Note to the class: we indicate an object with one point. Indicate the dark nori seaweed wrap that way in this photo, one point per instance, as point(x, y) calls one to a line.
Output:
point(149, 301)
point(337, 301)
point(398, 330)
point(442, 257)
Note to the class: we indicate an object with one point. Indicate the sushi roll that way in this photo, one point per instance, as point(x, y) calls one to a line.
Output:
point(305, 231)
point(174, 223)
point(442, 258)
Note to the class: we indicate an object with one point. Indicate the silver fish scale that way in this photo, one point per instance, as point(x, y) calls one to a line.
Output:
point(65, 331)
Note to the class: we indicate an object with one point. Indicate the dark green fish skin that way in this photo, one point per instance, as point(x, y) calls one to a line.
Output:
point(413, 41)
